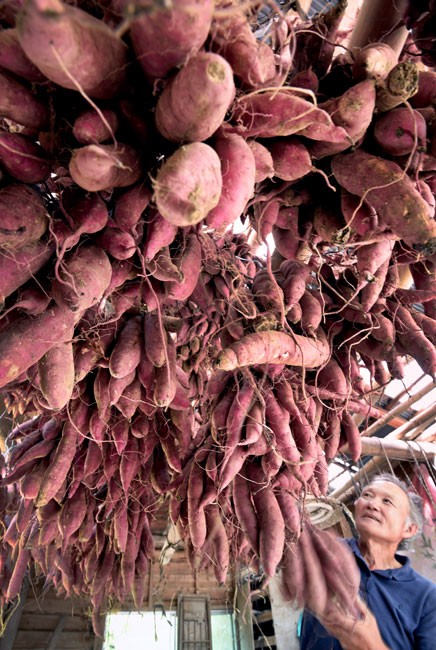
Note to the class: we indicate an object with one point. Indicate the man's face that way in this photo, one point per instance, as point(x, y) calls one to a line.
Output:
point(382, 513)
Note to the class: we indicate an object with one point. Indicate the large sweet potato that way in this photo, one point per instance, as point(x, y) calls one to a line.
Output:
point(398, 204)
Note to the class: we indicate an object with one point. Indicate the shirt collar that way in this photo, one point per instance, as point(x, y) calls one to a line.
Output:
point(403, 573)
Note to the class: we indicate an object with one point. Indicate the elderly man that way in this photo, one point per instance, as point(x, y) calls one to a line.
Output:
point(398, 605)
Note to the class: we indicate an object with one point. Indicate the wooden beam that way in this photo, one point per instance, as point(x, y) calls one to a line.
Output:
point(57, 633)
point(13, 622)
point(398, 449)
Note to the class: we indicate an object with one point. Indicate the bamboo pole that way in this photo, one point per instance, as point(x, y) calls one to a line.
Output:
point(398, 449)
point(420, 420)
point(390, 415)
point(419, 423)
point(406, 390)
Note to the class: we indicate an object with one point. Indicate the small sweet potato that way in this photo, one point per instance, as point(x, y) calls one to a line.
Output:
point(86, 214)
point(19, 104)
point(238, 168)
point(90, 128)
point(188, 185)
point(165, 37)
point(400, 131)
point(160, 233)
point(23, 159)
point(97, 167)
point(120, 244)
point(23, 216)
point(130, 205)
point(291, 158)
point(82, 279)
point(16, 267)
point(189, 265)
point(126, 354)
point(206, 85)
point(252, 59)
point(263, 161)
point(56, 375)
point(352, 111)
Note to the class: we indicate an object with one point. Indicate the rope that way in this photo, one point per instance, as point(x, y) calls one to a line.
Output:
point(325, 512)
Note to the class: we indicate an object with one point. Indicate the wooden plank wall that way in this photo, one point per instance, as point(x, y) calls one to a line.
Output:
point(44, 614)
point(51, 623)
point(165, 583)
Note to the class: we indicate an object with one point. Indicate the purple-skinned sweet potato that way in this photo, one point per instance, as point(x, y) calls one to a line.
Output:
point(353, 112)
point(399, 131)
point(252, 59)
point(72, 48)
point(97, 167)
point(91, 128)
point(238, 172)
point(262, 159)
point(16, 267)
point(25, 341)
point(23, 159)
point(188, 185)
point(394, 197)
point(13, 58)
point(279, 113)
point(82, 279)
point(18, 103)
point(195, 101)
point(291, 158)
point(23, 216)
point(165, 37)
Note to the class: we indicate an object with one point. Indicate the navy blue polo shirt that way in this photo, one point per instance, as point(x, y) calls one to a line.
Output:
point(402, 600)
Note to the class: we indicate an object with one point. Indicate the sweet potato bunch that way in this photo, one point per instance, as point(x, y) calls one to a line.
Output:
point(209, 229)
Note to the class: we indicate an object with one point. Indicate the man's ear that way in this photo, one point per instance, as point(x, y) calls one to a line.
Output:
point(410, 530)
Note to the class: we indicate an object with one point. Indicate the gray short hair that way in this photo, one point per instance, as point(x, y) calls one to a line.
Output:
point(415, 503)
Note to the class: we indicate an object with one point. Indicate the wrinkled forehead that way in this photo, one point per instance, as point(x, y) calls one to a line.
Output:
point(389, 489)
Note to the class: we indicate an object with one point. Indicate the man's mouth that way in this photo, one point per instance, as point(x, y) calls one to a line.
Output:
point(373, 517)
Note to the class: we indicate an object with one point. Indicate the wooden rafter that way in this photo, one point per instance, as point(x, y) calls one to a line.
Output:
point(55, 637)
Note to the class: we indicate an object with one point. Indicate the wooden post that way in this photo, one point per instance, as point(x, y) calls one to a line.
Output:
point(8, 638)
